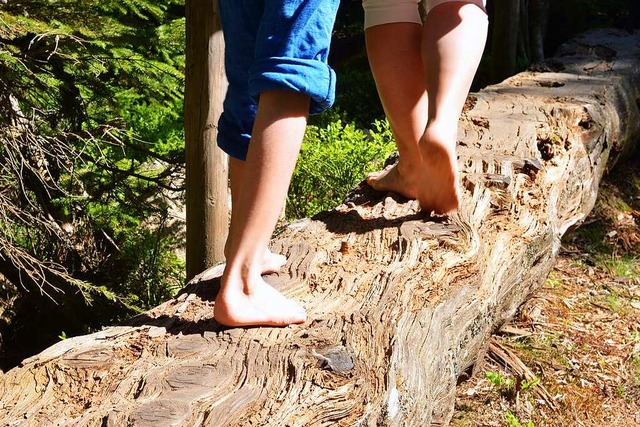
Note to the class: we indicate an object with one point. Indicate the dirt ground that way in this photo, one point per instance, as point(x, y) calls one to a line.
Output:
point(571, 356)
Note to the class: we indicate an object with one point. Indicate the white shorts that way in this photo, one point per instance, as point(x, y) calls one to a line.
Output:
point(378, 12)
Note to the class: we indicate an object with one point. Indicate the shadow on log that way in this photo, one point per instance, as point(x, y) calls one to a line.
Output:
point(399, 304)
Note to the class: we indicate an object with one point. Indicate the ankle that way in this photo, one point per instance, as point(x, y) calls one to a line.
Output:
point(437, 150)
point(408, 166)
point(240, 275)
point(440, 134)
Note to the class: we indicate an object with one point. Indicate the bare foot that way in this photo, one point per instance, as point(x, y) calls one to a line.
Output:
point(439, 191)
point(393, 178)
point(263, 306)
point(272, 262)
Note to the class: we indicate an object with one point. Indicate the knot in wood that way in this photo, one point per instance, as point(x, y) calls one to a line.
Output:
point(346, 248)
point(335, 359)
point(546, 148)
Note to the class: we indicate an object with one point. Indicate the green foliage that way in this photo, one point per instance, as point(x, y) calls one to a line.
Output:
point(152, 271)
point(333, 160)
point(107, 58)
point(526, 385)
point(510, 386)
point(627, 266)
point(513, 421)
point(502, 383)
point(91, 154)
point(102, 79)
point(507, 387)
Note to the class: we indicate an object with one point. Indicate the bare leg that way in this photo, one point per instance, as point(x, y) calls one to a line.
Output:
point(423, 76)
point(395, 59)
point(271, 262)
point(245, 299)
point(454, 36)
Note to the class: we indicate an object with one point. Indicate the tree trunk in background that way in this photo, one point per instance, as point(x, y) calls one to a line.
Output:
point(538, 17)
point(524, 33)
point(399, 304)
point(207, 200)
point(504, 45)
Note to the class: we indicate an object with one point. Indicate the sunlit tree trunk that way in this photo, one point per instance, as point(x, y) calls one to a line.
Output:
point(207, 167)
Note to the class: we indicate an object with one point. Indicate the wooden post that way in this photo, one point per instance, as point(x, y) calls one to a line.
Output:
point(207, 166)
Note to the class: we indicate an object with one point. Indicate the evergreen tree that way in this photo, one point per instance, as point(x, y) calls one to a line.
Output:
point(91, 154)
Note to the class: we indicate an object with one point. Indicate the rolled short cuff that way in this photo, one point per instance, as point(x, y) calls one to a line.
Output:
point(311, 77)
point(232, 140)
point(378, 12)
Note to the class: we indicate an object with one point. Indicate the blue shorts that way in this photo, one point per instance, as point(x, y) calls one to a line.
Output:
point(273, 45)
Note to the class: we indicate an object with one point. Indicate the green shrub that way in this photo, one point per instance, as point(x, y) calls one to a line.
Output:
point(333, 160)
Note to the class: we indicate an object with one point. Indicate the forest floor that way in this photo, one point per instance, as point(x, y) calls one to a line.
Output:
point(571, 356)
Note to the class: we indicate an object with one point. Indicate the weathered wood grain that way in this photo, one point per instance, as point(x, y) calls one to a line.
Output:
point(399, 304)
point(207, 171)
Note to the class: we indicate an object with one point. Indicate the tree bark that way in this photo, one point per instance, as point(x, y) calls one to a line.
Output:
point(207, 194)
point(523, 33)
point(538, 17)
point(504, 38)
point(400, 304)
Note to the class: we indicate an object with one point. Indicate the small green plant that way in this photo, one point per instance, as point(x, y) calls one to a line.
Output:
point(613, 301)
point(63, 335)
point(510, 387)
point(503, 384)
point(513, 421)
point(625, 266)
point(553, 282)
point(527, 385)
point(636, 364)
point(620, 391)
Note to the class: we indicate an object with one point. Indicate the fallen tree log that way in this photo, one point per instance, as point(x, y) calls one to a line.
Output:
point(399, 304)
